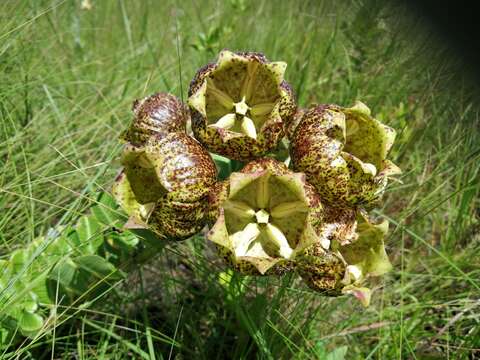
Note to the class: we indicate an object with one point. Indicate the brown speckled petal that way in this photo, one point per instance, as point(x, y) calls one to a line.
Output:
point(123, 194)
point(184, 168)
point(157, 115)
point(141, 174)
point(322, 273)
point(177, 220)
point(172, 176)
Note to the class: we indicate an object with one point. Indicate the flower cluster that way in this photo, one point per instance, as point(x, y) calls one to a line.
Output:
point(268, 218)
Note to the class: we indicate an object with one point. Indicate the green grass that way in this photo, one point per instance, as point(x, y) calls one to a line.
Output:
point(68, 78)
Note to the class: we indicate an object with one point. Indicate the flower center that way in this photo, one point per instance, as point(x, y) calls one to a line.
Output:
point(262, 216)
point(241, 107)
point(239, 120)
point(265, 218)
point(260, 236)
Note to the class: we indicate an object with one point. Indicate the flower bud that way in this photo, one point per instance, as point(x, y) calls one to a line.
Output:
point(156, 116)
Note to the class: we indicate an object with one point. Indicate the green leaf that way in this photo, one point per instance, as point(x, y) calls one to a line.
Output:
point(3, 265)
point(107, 211)
point(18, 260)
point(40, 289)
point(87, 276)
point(118, 247)
point(60, 281)
point(6, 335)
point(29, 303)
point(4, 273)
point(149, 237)
point(95, 275)
point(89, 233)
point(99, 267)
point(337, 354)
point(30, 322)
point(58, 247)
point(72, 238)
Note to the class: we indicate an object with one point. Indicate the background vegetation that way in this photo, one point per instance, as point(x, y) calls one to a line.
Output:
point(68, 78)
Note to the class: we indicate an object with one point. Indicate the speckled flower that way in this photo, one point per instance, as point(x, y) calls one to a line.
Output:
point(267, 216)
point(343, 269)
point(343, 153)
point(239, 105)
point(365, 257)
point(293, 122)
point(165, 184)
point(157, 115)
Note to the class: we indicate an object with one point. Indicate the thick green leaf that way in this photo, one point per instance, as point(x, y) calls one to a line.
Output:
point(57, 248)
point(40, 288)
point(338, 353)
point(86, 276)
point(18, 260)
point(89, 233)
point(29, 302)
point(30, 322)
point(118, 247)
point(149, 237)
point(60, 281)
point(95, 275)
point(99, 267)
point(107, 211)
point(4, 274)
point(72, 237)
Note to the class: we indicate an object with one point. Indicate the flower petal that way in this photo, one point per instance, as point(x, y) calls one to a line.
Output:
point(288, 209)
point(226, 121)
point(248, 127)
point(278, 237)
point(197, 100)
point(242, 240)
point(262, 109)
point(363, 294)
point(368, 251)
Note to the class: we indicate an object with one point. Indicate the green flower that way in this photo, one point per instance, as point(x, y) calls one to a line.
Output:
point(343, 153)
point(157, 115)
point(266, 216)
point(239, 105)
point(345, 267)
point(165, 184)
